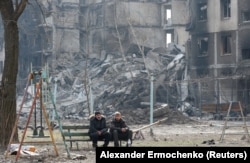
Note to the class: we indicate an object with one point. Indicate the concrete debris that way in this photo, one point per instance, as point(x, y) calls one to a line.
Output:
point(79, 157)
point(114, 82)
point(209, 142)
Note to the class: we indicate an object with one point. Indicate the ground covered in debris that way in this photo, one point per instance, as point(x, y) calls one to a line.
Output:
point(177, 130)
point(195, 134)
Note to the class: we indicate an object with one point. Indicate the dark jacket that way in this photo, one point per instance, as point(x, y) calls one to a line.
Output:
point(98, 125)
point(117, 125)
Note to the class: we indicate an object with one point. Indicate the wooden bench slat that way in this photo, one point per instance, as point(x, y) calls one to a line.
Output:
point(74, 140)
point(75, 134)
point(74, 127)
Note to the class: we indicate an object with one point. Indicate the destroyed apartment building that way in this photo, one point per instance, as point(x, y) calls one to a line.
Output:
point(219, 50)
point(106, 54)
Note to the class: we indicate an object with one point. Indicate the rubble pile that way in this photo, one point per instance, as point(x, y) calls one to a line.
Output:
point(120, 85)
point(142, 116)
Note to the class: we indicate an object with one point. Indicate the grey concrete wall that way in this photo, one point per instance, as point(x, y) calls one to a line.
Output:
point(137, 22)
point(216, 23)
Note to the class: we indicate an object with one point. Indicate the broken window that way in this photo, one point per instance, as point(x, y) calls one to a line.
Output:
point(169, 38)
point(168, 16)
point(226, 8)
point(245, 16)
point(203, 46)
point(167, 11)
point(202, 11)
point(226, 43)
point(245, 53)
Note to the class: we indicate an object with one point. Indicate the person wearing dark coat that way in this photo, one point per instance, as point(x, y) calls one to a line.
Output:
point(98, 130)
point(119, 130)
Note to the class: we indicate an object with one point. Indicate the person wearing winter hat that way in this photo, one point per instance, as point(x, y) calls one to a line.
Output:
point(119, 130)
point(98, 130)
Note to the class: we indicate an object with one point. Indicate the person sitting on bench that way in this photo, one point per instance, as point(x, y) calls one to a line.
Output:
point(119, 130)
point(98, 130)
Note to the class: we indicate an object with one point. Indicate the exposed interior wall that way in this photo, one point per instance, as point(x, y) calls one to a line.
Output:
point(175, 17)
point(181, 36)
point(180, 12)
point(136, 22)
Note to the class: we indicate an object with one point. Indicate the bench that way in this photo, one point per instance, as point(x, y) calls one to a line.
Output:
point(77, 133)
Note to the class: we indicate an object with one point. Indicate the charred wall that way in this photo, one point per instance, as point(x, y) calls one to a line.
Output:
point(244, 30)
point(201, 55)
point(244, 94)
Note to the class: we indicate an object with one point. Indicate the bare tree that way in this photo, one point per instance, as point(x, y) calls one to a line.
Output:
point(10, 13)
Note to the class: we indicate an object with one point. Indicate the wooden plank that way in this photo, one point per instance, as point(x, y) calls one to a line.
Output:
point(37, 142)
point(75, 134)
point(75, 127)
point(74, 140)
point(157, 122)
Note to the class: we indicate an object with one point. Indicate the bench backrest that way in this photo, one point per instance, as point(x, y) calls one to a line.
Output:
point(76, 130)
point(75, 127)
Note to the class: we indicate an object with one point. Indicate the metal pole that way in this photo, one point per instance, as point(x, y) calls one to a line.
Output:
point(33, 85)
point(151, 100)
point(232, 90)
point(55, 89)
point(200, 101)
point(91, 98)
point(41, 133)
point(58, 119)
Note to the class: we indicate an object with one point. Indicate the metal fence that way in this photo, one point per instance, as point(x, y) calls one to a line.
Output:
point(193, 96)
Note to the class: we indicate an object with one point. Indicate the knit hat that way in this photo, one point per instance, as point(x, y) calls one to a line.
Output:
point(117, 113)
point(97, 112)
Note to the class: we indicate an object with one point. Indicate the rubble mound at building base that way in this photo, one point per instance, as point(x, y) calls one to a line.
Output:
point(142, 116)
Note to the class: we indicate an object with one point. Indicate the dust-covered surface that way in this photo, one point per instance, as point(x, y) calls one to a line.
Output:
point(177, 130)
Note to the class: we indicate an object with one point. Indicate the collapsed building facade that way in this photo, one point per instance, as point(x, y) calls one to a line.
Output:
point(134, 29)
point(106, 24)
point(213, 32)
point(110, 26)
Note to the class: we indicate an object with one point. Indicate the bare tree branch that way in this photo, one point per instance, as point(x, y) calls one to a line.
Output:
point(137, 42)
point(121, 47)
point(19, 9)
